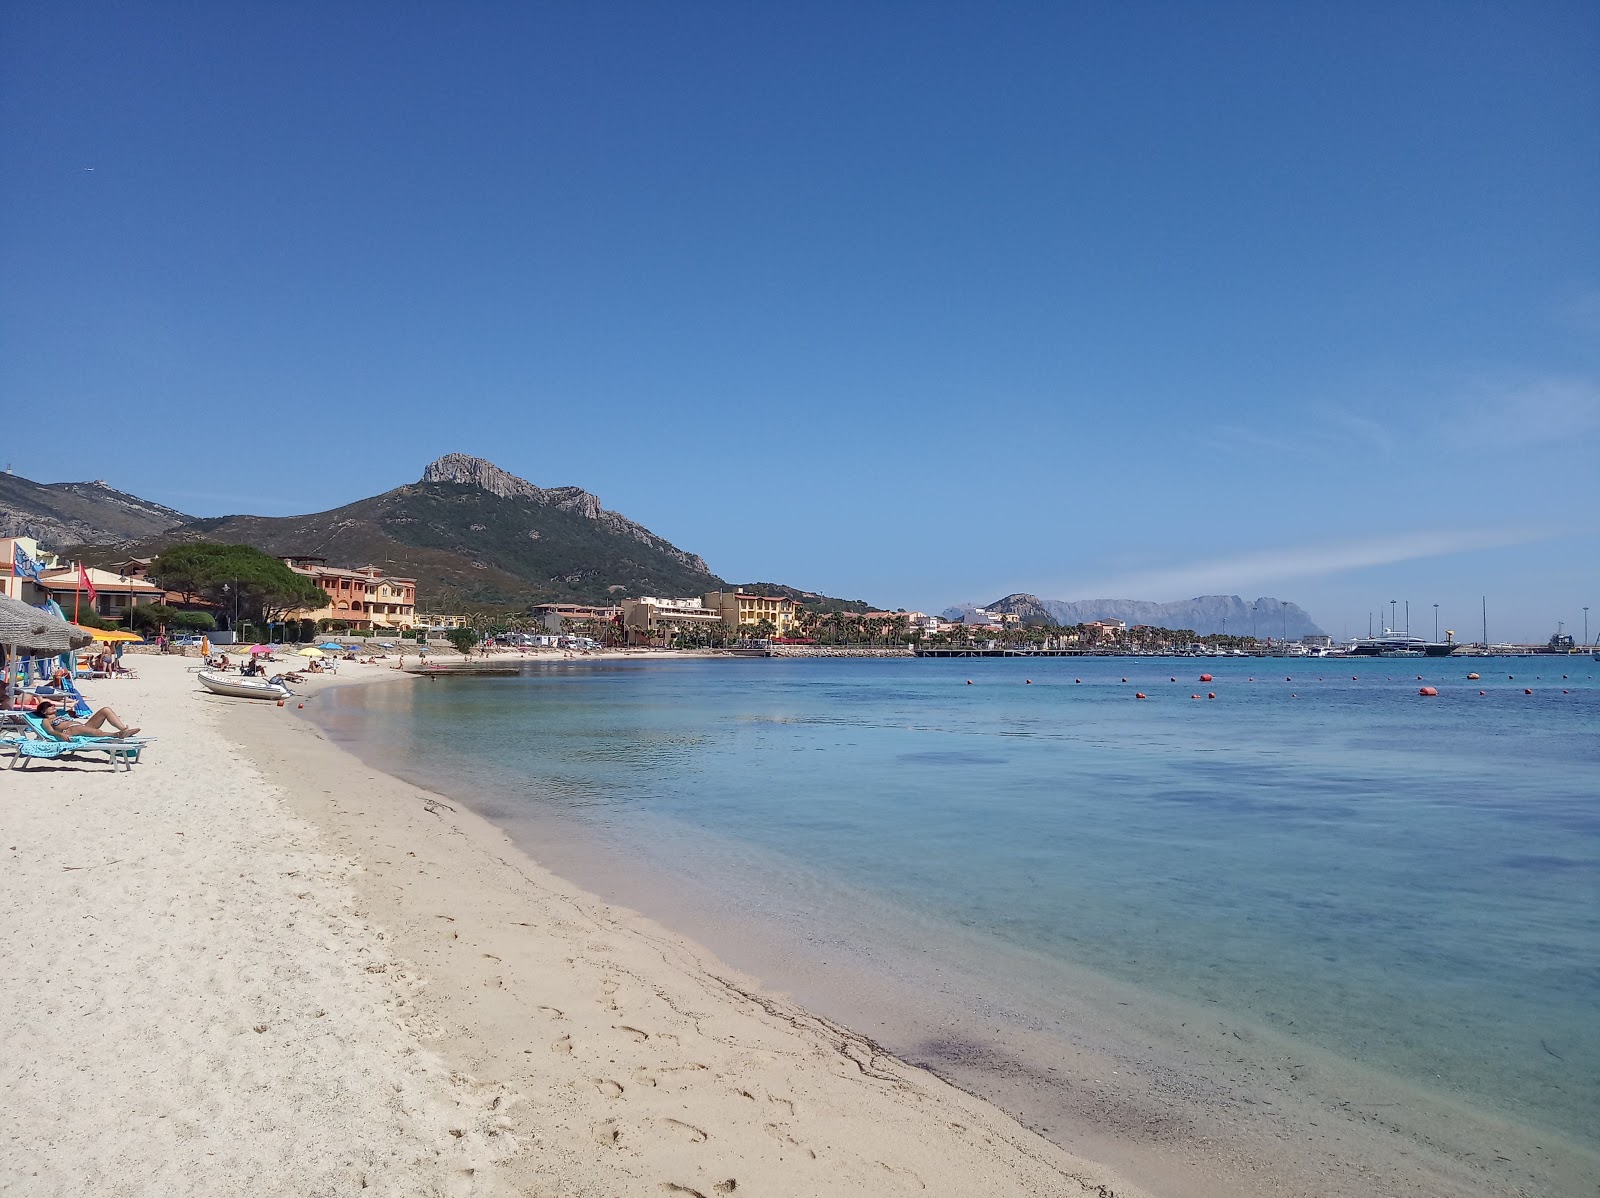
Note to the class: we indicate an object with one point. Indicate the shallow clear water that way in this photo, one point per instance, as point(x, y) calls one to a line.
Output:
point(1410, 883)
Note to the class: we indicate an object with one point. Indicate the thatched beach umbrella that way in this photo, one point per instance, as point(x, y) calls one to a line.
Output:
point(28, 630)
point(36, 633)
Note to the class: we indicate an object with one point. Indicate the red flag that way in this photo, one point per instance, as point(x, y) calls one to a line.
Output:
point(83, 577)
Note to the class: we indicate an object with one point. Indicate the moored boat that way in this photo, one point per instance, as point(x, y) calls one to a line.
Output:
point(240, 687)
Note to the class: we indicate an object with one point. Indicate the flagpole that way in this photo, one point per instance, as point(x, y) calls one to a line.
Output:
point(77, 592)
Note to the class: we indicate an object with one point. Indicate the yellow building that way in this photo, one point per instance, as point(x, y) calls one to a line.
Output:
point(738, 608)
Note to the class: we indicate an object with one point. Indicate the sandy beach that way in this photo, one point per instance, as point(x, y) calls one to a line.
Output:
point(254, 965)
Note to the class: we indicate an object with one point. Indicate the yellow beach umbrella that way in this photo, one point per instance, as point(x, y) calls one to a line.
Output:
point(205, 646)
point(312, 651)
point(111, 634)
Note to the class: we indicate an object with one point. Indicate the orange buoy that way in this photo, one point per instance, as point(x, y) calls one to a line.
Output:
point(969, 682)
point(1211, 694)
point(1124, 679)
point(1428, 690)
point(1352, 678)
point(1174, 679)
point(1483, 692)
point(302, 706)
point(1526, 691)
point(1194, 696)
point(1473, 677)
point(1140, 695)
point(1205, 677)
point(280, 702)
point(1029, 681)
point(1419, 677)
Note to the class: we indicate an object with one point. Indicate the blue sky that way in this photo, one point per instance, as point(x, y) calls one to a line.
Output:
point(918, 303)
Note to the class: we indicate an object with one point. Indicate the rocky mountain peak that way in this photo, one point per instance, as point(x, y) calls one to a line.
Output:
point(475, 472)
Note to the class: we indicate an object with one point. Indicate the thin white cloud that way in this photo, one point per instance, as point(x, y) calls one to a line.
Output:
point(1235, 573)
point(1355, 427)
point(1497, 416)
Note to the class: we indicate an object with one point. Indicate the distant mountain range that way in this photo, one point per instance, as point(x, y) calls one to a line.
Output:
point(60, 514)
point(468, 531)
point(1205, 614)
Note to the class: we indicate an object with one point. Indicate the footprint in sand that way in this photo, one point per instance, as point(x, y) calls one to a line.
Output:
point(687, 1130)
point(634, 1032)
point(554, 1012)
point(673, 1187)
point(606, 1133)
point(562, 1044)
point(785, 1103)
point(607, 1087)
point(642, 1077)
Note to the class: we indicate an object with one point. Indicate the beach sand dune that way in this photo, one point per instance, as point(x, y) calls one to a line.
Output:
point(271, 970)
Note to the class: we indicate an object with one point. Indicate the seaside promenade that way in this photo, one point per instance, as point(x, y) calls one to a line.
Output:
point(253, 965)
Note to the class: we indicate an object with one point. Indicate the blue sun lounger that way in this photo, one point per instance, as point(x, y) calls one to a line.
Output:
point(50, 747)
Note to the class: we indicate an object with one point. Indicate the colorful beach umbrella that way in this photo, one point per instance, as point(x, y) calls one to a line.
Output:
point(311, 651)
point(334, 645)
point(257, 649)
point(112, 634)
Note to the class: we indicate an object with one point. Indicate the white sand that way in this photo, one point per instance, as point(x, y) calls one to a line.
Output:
point(327, 982)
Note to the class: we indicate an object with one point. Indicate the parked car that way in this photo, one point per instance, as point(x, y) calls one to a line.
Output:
point(188, 639)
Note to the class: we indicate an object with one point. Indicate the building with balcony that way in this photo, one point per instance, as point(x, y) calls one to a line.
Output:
point(366, 599)
point(738, 608)
point(556, 617)
point(651, 621)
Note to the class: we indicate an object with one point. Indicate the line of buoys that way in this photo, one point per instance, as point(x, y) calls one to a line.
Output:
point(1428, 690)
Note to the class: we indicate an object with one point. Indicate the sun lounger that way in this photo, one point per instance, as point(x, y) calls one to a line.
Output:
point(45, 744)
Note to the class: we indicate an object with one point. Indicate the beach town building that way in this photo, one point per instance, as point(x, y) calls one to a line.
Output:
point(555, 616)
point(20, 586)
point(737, 608)
point(367, 598)
point(435, 622)
point(113, 593)
point(1105, 629)
point(651, 621)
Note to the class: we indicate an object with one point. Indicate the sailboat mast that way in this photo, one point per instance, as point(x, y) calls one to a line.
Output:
point(1485, 621)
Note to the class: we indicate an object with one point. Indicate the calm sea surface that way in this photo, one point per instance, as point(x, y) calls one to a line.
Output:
point(1408, 883)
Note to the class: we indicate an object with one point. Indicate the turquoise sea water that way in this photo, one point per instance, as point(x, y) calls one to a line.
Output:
point(1409, 883)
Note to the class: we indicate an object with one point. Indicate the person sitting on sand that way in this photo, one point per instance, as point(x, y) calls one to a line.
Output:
point(67, 728)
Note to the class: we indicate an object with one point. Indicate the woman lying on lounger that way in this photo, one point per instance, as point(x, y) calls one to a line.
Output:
point(65, 728)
